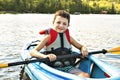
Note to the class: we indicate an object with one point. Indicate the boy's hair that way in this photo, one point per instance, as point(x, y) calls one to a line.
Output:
point(63, 14)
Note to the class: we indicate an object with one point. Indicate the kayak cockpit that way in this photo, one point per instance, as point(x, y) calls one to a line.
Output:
point(98, 69)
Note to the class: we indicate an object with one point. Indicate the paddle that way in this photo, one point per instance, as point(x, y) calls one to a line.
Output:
point(113, 50)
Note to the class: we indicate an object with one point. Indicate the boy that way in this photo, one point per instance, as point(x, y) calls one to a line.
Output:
point(58, 42)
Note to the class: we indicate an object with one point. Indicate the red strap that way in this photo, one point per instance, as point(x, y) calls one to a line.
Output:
point(53, 36)
point(67, 35)
point(42, 32)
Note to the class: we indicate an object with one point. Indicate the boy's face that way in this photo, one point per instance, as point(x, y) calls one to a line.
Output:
point(60, 24)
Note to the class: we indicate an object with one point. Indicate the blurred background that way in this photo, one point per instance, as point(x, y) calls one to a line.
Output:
point(50, 6)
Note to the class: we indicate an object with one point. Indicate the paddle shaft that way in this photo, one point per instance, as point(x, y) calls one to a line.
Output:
point(3, 65)
point(80, 55)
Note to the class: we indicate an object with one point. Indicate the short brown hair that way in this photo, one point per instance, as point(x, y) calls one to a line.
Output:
point(62, 13)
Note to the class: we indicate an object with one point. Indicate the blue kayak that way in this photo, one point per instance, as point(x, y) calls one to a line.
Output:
point(98, 69)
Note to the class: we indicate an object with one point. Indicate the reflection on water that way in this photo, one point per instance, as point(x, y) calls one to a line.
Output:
point(95, 31)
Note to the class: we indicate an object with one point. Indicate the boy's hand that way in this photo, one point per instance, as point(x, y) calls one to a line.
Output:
point(52, 57)
point(84, 51)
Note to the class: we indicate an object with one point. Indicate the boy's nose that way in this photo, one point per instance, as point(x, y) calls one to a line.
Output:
point(61, 25)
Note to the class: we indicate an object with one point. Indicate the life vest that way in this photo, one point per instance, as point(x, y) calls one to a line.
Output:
point(59, 44)
point(54, 35)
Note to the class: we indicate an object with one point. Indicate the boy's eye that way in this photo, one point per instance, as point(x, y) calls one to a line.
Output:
point(61, 23)
point(64, 23)
point(58, 22)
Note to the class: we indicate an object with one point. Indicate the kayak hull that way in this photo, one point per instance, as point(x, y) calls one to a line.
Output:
point(98, 70)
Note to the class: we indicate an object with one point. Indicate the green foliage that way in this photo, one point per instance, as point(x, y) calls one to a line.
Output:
point(50, 6)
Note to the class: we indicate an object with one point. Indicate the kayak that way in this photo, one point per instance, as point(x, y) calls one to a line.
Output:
point(98, 69)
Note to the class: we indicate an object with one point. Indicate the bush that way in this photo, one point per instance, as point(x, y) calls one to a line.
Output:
point(50, 6)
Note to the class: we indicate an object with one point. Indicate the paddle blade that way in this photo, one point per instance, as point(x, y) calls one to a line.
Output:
point(115, 50)
point(3, 65)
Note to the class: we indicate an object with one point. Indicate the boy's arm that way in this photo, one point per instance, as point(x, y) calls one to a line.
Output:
point(79, 46)
point(35, 52)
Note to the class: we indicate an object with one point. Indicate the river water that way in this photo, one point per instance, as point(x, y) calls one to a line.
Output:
point(94, 31)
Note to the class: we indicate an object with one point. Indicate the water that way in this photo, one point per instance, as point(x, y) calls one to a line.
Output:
point(94, 31)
